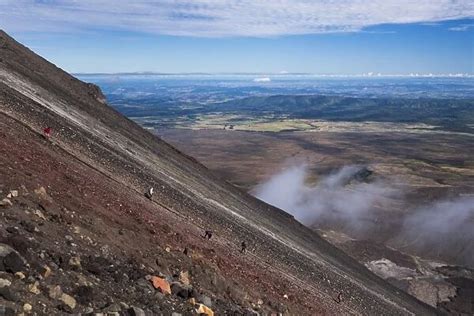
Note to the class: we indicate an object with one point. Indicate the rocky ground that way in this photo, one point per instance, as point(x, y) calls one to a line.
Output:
point(59, 255)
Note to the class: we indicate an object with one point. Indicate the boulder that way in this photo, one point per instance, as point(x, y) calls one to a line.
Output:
point(13, 262)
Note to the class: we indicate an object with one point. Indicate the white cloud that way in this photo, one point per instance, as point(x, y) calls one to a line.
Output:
point(262, 79)
point(214, 18)
point(461, 28)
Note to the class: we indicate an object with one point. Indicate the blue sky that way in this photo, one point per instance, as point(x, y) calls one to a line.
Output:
point(337, 37)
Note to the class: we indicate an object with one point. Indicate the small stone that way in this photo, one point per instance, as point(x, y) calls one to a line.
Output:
point(176, 314)
point(259, 302)
point(68, 300)
point(55, 292)
point(112, 308)
point(42, 194)
point(206, 300)
point(75, 262)
point(285, 296)
point(45, 271)
point(5, 282)
point(6, 202)
point(192, 301)
point(88, 310)
point(12, 194)
point(39, 214)
point(167, 249)
point(135, 311)
point(203, 309)
point(184, 277)
point(27, 308)
point(20, 275)
point(12, 229)
point(124, 305)
point(105, 250)
point(82, 280)
point(33, 288)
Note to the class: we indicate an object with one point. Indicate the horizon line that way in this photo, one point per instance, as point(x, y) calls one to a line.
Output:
point(282, 74)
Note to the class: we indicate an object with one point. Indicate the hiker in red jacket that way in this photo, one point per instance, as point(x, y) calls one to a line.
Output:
point(47, 132)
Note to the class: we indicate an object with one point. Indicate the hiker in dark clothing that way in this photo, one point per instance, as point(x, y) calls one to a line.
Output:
point(339, 298)
point(207, 234)
point(243, 246)
point(149, 193)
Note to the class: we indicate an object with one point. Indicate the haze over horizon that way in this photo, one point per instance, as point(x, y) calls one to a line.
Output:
point(349, 37)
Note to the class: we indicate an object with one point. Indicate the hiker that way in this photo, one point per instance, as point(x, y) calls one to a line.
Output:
point(339, 298)
point(243, 246)
point(207, 234)
point(47, 132)
point(149, 193)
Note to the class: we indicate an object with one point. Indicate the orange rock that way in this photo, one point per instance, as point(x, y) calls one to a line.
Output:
point(161, 284)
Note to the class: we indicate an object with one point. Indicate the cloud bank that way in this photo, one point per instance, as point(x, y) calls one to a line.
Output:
point(441, 229)
point(329, 199)
point(219, 18)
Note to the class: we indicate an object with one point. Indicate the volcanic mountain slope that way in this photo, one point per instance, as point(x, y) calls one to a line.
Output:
point(75, 206)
